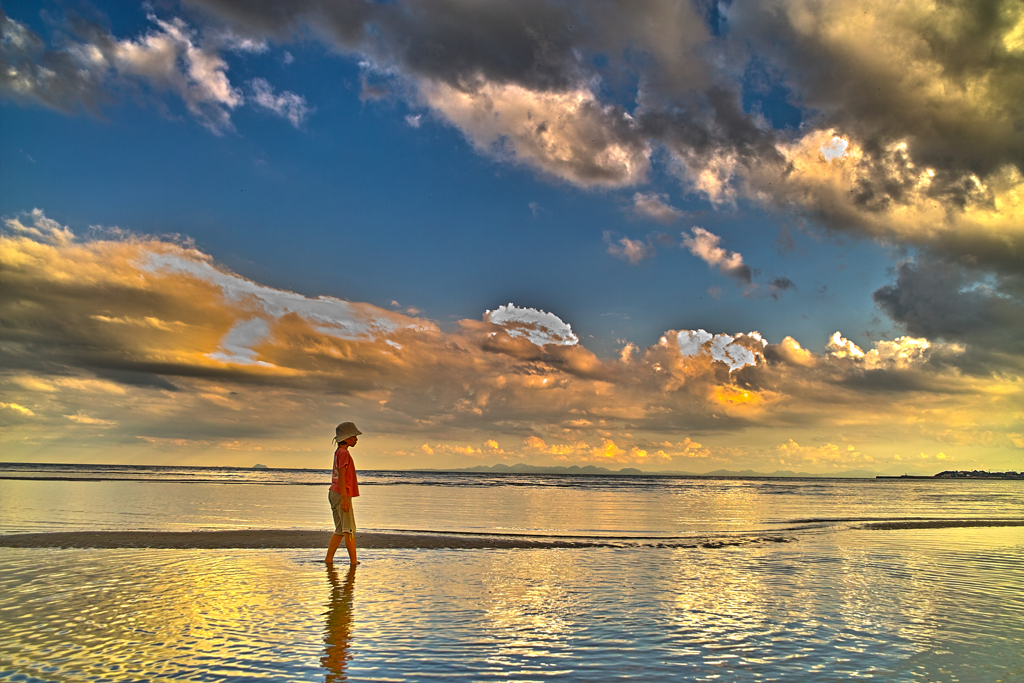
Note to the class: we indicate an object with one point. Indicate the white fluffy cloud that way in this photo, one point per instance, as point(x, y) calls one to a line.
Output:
point(711, 174)
point(172, 57)
point(655, 206)
point(566, 133)
point(169, 58)
point(705, 246)
point(287, 105)
point(539, 327)
point(899, 354)
point(633, 251)
point(834, 148)
point(736, 351)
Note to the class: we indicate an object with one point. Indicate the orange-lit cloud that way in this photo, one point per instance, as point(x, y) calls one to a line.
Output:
point(154, 344)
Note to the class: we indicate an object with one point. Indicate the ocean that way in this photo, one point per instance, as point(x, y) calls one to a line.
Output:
point(696, 579)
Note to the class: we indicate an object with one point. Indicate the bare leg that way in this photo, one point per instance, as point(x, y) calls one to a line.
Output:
point(350, 545)
point(332, 547)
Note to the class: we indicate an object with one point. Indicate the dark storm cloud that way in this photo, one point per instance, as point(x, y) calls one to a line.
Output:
point(680, 97)
point(926, 103)
point(938, 300)
point(947, 77)
point(927, 100)
point(135, 378)
point(534, 43)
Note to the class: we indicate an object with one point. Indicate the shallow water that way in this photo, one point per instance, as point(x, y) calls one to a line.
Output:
point(935, 605)
point(834, 602)
point(622, 506)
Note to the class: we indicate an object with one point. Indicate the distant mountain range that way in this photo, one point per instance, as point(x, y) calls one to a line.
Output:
point(523, 468)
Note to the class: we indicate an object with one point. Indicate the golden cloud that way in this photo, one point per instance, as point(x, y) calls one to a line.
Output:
point(886, 193)
point(154, 342)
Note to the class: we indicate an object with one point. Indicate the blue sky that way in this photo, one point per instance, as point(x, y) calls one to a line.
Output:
point(430, 222)
point(384, 166)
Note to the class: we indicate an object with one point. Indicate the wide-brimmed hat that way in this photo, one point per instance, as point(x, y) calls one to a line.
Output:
point(345, 430)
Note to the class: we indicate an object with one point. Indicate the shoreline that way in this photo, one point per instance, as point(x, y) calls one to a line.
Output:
point(280, 539)
point(269, 539)
point(421, 540)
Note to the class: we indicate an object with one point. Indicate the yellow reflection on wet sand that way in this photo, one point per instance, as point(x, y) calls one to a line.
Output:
point(893, 605)
point(339, 624)
point(531, 607)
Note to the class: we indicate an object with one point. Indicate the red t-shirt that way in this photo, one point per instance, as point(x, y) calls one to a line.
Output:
point(342, 460)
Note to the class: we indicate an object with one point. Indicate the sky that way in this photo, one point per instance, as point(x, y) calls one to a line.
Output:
point(675, 236)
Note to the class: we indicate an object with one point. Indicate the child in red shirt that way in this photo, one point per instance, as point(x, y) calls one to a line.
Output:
point(344, 487)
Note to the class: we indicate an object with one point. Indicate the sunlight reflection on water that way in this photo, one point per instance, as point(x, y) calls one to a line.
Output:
point(916, 605)
point(661, 507)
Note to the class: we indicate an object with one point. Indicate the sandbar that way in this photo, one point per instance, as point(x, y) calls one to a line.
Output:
point(428, 540)
point(940, 524)
point(280, 538)
point(408, 540)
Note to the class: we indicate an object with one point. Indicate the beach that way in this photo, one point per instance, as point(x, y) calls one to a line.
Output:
point(280, 539)
point(277, 539)
point(510, 579)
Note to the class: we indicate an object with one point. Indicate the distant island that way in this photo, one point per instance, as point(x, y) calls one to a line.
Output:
point(258, 466)
point(523, 468)
point(961, 474)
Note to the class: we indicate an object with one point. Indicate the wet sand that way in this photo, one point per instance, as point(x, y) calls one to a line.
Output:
point(428, 540)
point(941, 524)
point(277, 538)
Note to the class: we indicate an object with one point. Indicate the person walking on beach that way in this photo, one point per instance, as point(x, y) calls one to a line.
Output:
point(344, 488)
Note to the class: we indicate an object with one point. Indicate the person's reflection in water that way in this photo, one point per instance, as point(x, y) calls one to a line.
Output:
point(339, 624)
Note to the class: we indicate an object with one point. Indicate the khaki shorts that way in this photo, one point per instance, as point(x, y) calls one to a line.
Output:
point(344, 522)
